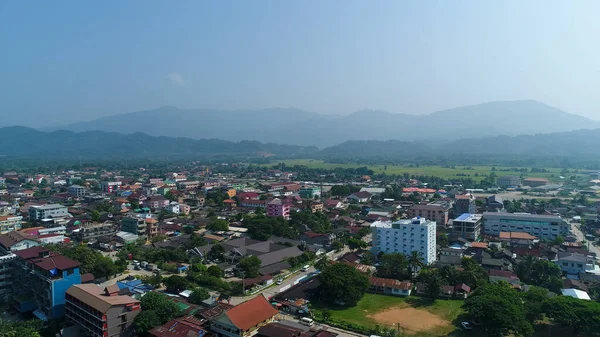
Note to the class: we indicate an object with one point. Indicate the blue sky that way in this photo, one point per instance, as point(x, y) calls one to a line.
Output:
point(68, 61)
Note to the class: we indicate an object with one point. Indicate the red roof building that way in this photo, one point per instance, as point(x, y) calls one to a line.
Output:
point(245, 318)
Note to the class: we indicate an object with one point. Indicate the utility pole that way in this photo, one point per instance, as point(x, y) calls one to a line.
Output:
point(243, 286)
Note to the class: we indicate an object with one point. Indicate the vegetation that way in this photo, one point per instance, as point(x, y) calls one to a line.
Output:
point(157, 310)
point(342, 284)
point(29, 328)
point(92, 261)
point(175, 284)
point(198, 295)
point(542, 273)
point(249, 266)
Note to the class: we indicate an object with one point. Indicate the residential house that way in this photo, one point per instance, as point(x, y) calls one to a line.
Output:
point(575, 263)
point(180, 327)
point(276, 208)
point(517, 239)
point(156, 202)
point(505, 276)
point(323, 239)
point(494, 203)
point(10, 223)
point(244, 319)
point(390, 286)
point(284, 330)
point(100, 312)
point(14, 241)
point(359, 197)
point(316, 207)
point(333, 204)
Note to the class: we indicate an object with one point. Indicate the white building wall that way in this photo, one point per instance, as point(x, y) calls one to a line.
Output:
point(406, 236)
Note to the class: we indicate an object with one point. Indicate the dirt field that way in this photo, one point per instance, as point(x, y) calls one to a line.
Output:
point(411, 320)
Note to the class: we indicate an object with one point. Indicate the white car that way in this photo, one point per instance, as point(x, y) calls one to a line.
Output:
point(467, 325)
point(279, 282)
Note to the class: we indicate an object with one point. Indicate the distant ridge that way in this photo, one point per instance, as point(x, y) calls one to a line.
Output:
point(293, 126)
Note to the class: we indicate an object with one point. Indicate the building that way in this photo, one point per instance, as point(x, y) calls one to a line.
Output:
point(322, 239)
point(93, 230)
point(156, 202)
point(504, 276)
point(310, 192)
point(10, 223)
point(494, 203)
point(541, 226)
point(110, 186)
point(14, 241)
point(467, 226)
point(244, 319)
point(284, 330)
point(359, 197)
point(390, 286)
point(77, 190)
point(133, 225)
point(508, 181)
point(437, 211)
point(49, 211)
point(100, 312)
point(575, 293)
point(405, 236)
point(464, 203)
point(575, 263)
point(278, 208)
point(6, 264)
point(44, 278)
point(180, 327)
point(536, 182)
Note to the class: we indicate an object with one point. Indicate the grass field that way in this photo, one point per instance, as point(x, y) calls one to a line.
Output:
point(382, 310)
point(438, 171)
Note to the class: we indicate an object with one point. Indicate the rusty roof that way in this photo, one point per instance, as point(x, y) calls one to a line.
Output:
point(390, 283)
point(251, 313)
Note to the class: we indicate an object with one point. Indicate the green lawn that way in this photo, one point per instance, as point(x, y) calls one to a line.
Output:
point(372, 304)
point(438, 171)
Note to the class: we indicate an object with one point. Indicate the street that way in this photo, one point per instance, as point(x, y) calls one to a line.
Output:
point(581, 237)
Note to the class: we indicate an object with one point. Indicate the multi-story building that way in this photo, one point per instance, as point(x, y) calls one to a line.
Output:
point(278, 208)
point(134, 225)
point(14, 241)
point(467, 226)
point(508, 181)
point(101, 312)
point(48, 211)
point(405, 236)
point(575, 263)
point(43, 279)
point(156, 202)
point(110, 186)
point(6, 263)
point(309, 192)
point(464, 203)
point(2, 181)
point(10, 223)
point(93, 230)
point(541, 226)
point(436, 211)
point(77, 190)
point(188, 184)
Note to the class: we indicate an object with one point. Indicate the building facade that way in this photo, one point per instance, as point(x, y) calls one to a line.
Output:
point(278, 208)
point(48, 211)
point(43, 279)
point(101, 312)
point(135, 225)
point(77, 190)
point(110, 186)
point(508, 181)
point(405, 236)
point(93, 230)
point(467, 226)
point(437, 211)
point(464, 203)
point(541, 226)
point(10, 223)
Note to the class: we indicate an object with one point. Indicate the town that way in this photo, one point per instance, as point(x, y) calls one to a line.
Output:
point(235, 249)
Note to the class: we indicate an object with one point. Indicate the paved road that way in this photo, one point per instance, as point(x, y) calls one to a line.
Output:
point(292, 321)
point(581, 237)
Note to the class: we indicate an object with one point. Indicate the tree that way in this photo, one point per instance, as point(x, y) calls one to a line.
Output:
point(500, 310)
point(169, 195)
point(154, 280)
point(95, 216)
point(472, 274)
point(580, 315)
point(175, 284)
point(217, 225)
point(198, 295)
point(394, 266)
point(326, 314)
point(322, 263)
point(415, 261)
point(158, 238)
point(146, 321)
point(433, 282)
point(534, 300)
point(558, 241)
point(355, 244)
point(367, 258)
point(342, 284)
point(337, 245)
point(442, 240)
point(216, 252)
point(161, 304)
point(250, 266)
point(215, 271)
point(541, 273)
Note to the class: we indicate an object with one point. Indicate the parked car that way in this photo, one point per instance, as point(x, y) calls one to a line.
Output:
point(280, 281)
point(467, 325)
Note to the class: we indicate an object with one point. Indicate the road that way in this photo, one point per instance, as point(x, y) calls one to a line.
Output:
point(292, 321)
point(581, 237)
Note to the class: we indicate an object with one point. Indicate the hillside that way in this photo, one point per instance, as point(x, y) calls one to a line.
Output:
point(27, 142)
point(292, 126)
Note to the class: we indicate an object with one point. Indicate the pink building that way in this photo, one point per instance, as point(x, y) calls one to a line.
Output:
point(278, 208)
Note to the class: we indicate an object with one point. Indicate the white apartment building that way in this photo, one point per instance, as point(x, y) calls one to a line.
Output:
point(541, 226)
point(405, 236)
point(48, 211)
point(10, 223)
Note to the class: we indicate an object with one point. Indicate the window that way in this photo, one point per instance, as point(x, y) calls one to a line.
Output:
point(565, 264)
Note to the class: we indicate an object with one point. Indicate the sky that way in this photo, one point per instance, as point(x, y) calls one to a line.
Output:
point(67, 61)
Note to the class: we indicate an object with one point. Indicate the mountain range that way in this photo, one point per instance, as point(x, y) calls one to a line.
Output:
point(25, 142)
point(293, 126)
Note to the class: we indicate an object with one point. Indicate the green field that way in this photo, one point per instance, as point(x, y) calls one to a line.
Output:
point(438, 171)
point(372, 304)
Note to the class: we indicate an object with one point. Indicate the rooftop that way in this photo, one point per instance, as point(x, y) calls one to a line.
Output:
point(250, 313)
point(537, 217)
point(93, 296)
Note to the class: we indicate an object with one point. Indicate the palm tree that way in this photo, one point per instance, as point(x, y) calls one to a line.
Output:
point(415, 261)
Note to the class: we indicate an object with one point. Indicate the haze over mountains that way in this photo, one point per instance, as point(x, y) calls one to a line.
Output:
point(293, 126)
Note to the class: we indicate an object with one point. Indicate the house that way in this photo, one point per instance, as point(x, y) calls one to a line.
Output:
point(448, 291)
point(359, 197)
point(156, 202)
point(283, 330)
point(503, 275)
point(244, 319)
point(575, 263)
point(437, 211)
point(180, 327)
point(494, 203)
point(276, 208)
point(14, 241)
point(390, 286)
point(332, 204)
point(517, 239)
point(323, 239)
